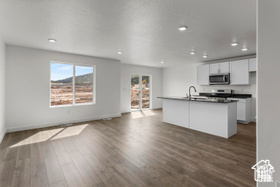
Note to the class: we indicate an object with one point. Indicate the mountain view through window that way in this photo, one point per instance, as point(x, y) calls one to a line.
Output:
point(67, 89)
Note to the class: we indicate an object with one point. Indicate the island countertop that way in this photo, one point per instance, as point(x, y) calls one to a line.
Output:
point(199, 99)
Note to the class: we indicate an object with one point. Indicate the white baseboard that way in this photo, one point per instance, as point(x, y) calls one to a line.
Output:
point(128, 111)
point(38, 126)
point(2, 135)
point(157, 108)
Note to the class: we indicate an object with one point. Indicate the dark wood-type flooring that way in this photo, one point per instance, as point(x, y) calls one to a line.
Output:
point(137, 149)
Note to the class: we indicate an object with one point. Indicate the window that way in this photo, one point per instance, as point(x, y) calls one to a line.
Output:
point(71, 84)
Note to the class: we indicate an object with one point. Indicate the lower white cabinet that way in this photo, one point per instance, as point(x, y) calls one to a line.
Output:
point(243, 109)
point(213, 118)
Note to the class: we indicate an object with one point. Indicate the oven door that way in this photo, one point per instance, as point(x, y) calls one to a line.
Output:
point(219, 79)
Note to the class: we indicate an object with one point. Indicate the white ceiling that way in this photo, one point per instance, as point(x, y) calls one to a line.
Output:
point(145, 30)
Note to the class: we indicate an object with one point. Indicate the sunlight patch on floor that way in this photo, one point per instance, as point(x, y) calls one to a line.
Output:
point(38, 137)
point(136, 115)
point(149, 113)
point(70, 131)
point(143, 113)
point(52, 134)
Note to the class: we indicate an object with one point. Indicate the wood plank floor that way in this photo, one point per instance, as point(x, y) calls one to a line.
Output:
point(137, 149)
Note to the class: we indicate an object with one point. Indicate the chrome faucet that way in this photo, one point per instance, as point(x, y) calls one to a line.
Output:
point(190, 96)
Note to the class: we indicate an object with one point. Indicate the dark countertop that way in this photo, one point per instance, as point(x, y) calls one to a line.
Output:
point(240, 96)
point(198, 99)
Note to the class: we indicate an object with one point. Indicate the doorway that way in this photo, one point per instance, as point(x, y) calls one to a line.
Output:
point(140, 91)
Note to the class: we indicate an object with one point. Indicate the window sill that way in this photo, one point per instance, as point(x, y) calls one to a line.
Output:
point(64, 106)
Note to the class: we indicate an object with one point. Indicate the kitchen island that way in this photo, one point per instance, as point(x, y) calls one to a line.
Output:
point(216, 117)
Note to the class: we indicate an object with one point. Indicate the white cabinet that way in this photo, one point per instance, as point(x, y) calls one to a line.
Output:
point(239, 72)
point(224, 67)
point(176, 112)
point(243, 109)
point(252, 65)
point(214, 68)
point(219, 68)
point(203, 74)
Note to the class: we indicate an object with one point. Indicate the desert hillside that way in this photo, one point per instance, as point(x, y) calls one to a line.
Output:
point(87, 78)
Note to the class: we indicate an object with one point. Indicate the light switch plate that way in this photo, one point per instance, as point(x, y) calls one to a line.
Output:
point(277, 184)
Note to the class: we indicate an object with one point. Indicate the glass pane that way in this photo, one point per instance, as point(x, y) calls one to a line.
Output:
point(145, 91)
point(134, 91)
point(61, 84)
point(83, 84)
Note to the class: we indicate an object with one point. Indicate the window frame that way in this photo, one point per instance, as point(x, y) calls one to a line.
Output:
point(73, 85)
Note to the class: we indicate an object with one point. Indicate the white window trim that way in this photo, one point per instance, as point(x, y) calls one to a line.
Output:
point(73, 85)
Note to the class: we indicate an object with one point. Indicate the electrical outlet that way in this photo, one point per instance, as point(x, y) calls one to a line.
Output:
point(68, 111)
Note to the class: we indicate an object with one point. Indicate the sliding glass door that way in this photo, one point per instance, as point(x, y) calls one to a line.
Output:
point(145, 94)
point(140, 92)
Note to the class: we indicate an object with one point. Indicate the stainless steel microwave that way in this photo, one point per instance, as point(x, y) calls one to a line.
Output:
point(221, 79)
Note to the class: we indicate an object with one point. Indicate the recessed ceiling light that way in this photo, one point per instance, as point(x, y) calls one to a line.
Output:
point(162, 62)
point(52, 40)
point(234, 44)
point(245, 49)
point(120, 52)
point(182, 28)
point(192, 52)
point(205, 56)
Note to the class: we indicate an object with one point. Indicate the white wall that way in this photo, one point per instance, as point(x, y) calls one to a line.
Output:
point(28, 82)
point(2, 90)
point(178, 79)
point(268, 122)
point(126, 71)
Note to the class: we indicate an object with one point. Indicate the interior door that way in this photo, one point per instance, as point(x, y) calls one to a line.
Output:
point(140, 92)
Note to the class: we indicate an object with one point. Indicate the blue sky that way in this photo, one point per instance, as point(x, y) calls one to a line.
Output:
point(62, 71)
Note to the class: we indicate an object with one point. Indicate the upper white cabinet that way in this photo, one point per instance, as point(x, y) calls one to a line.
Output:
point(224, 67)
point(219, 68)
point(203, 74)
point(239, 72)
point(214, 68)
point(252, 65)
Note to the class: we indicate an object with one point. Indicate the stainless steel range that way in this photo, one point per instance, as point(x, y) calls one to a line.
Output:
point(218, 94)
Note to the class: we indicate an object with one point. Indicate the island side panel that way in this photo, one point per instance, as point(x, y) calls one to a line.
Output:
point(176, 112)
point(232, 119)
point(211, 118)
